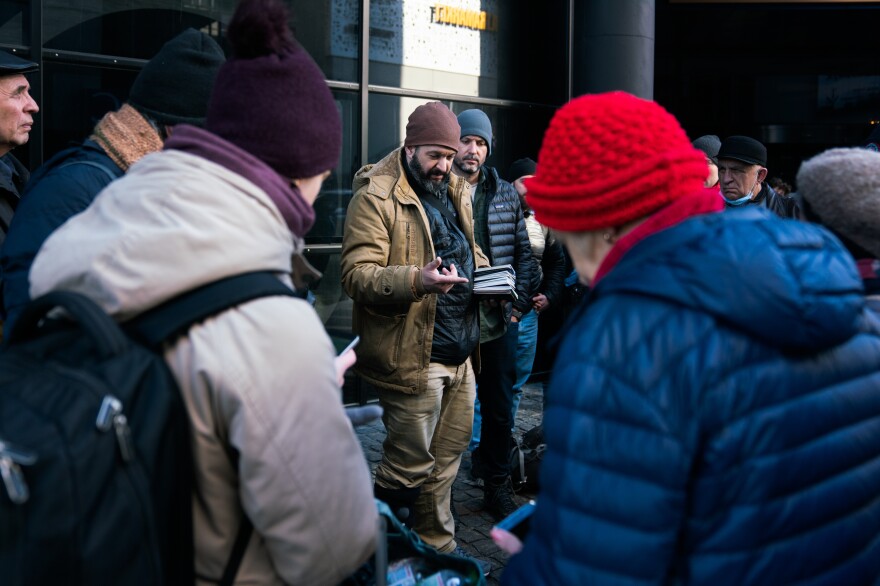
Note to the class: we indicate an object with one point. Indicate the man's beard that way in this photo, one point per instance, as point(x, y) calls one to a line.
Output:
point(435, 188)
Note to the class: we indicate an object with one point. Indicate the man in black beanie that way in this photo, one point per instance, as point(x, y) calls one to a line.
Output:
point(172, 88)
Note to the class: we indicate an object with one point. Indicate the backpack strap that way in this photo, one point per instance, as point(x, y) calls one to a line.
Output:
point(104, 168)
point(238, 549)
point(174, 317)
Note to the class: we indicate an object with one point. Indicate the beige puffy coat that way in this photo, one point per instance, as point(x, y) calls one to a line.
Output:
point(258, 380)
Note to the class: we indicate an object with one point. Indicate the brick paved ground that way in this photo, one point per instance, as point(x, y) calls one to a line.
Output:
point(474, 524)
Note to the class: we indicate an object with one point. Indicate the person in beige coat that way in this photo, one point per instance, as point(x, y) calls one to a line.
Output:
point(270, 437)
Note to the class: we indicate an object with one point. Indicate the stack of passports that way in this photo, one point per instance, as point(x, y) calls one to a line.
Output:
point(497, 281)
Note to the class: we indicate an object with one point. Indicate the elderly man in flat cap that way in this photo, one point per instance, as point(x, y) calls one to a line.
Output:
point(742, 174)
point(408, 257)
point(17, 109)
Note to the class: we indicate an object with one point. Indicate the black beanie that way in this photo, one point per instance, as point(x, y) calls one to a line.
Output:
point(175, 85)
point(521, 168)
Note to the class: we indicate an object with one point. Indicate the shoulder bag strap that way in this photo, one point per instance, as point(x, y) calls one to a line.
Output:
point(442, 208)
point(173, 318)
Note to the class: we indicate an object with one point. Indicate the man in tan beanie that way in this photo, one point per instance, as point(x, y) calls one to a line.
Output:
point(408, 257)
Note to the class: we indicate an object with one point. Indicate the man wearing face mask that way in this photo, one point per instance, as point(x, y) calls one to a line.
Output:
point(742, 171)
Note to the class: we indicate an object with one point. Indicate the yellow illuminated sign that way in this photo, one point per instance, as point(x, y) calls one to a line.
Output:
point(472, 19)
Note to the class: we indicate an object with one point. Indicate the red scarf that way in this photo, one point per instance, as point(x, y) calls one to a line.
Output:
point(704, 201)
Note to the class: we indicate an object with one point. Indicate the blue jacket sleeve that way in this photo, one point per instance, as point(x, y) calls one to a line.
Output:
point(55, 194)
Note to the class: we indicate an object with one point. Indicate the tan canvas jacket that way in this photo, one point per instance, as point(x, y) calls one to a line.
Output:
point(270, 438)
point(387, 240)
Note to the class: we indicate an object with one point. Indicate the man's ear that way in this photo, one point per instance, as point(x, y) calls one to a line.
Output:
point(762, 174)
point(410, 151)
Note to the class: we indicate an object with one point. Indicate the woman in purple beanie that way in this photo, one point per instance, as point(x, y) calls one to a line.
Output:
point(270, 438)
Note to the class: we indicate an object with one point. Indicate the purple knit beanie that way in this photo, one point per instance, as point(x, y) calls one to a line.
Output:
point(271, 99)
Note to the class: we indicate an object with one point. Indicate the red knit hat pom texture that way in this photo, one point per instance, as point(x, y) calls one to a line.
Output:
point(608, 159)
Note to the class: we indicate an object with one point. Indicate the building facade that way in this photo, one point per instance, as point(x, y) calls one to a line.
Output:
point(382, 58)
point(800, 76)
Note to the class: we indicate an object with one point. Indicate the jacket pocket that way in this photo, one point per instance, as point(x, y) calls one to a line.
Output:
point(382, 354)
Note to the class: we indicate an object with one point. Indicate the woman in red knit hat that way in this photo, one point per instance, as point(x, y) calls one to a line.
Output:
point(712, 414)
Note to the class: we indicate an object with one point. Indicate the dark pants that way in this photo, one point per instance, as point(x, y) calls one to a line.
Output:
point(495, 392)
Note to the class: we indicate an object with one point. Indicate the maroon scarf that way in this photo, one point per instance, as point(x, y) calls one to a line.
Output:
point(297, 213)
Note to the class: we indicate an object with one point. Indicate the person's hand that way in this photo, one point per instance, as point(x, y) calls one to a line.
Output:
point(540, 302)
point(343, 362)
point(437, 280)
point(363, 415)
point(506, 541)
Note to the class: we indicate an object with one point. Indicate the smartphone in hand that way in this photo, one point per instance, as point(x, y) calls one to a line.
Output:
point(351, 345)
point(518, 521)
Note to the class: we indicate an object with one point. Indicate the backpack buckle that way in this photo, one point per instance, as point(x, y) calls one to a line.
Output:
point(12, 458)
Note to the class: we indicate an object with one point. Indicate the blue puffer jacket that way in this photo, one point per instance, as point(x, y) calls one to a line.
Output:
point(62, 187)
point(714, 417)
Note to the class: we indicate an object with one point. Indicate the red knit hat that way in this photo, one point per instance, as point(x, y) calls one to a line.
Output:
point(608, 159)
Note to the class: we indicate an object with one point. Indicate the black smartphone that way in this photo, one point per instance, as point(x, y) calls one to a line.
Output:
point(518, 521)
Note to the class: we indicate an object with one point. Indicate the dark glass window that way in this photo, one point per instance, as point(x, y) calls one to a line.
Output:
point(335, 194)
point(130, 32)
point(77, 96)
point(329, 31)
point(494, 48)
point(14, 22)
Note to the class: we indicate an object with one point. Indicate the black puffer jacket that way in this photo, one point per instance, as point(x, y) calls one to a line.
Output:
point(509, 239)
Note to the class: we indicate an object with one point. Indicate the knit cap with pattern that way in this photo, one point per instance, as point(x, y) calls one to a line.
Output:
point(608, 159)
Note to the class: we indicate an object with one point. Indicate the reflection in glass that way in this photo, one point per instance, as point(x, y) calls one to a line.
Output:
point(336, 192)
point(486, 48)
point(77, 97)
point(124, 30)
point(330, 32)
point(14, 22)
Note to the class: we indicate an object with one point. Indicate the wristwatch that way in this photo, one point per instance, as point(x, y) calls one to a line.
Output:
point(517, 314)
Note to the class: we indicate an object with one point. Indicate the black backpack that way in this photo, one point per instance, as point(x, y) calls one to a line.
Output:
point(94, 442)
point(525, 460)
